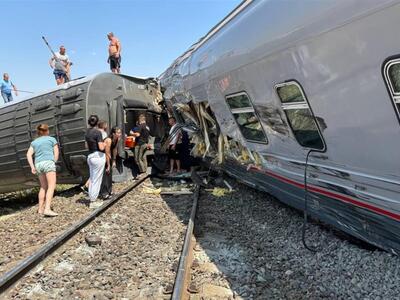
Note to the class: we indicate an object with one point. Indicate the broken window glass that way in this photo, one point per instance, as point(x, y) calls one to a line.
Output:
point(246, 118)
point(250, 126)
point(304, 128)
point(299, 115)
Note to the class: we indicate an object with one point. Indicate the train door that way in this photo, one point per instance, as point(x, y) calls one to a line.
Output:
point(70, 125)
point(44, 110)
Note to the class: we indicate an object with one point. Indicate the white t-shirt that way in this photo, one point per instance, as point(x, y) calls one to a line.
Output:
point(60, 61)
point(175, 137)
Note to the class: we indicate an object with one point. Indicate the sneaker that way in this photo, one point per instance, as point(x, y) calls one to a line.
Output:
point(95, 204)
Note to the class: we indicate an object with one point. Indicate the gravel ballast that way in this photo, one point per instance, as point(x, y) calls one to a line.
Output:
point(130, 251)
point(249, 247)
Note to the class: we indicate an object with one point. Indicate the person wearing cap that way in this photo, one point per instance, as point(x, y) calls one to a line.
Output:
point(6, 86)
point(61, 65)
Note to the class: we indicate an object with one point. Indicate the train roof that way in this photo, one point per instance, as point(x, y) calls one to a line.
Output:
point(78, 81)
point(282, 25)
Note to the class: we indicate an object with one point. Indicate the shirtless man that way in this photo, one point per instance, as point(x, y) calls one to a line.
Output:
point(61, 65)
point(114, 53)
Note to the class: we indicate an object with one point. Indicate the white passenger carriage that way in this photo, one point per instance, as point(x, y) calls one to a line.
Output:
point(306, 87)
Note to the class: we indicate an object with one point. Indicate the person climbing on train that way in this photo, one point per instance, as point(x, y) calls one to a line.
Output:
point(6, 87)
point(142, 139)
point(96, 159)
point(174, 148)
point(106, 184)
point(46, 152)
point(61, 64)
point(114, 53)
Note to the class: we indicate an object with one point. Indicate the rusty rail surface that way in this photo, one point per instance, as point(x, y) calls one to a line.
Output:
point(183, 271)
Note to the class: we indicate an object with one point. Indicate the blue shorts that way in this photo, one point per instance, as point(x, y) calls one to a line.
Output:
point(60, 74)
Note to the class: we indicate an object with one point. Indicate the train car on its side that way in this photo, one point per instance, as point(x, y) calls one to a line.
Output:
point(310, 92)
point(116, 99)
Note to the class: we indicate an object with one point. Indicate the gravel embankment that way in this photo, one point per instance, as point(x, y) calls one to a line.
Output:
point(249, 247)
point(22, 230)
point(141, 240)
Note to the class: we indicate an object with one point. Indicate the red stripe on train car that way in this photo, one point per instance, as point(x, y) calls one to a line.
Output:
point(332, 194)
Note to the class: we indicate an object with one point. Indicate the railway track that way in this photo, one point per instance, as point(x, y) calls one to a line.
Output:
point(240, 245)
point(11, 277)
point(181, 285)
point(15, 285)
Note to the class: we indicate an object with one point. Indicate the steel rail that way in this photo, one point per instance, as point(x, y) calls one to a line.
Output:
point(181, 275)
point(11, 277)
point(56, 193)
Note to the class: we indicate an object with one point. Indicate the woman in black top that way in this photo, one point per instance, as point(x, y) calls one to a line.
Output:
point(96, 158)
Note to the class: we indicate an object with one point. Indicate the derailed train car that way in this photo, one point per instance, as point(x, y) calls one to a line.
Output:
point(300, 99)
point(114, 98)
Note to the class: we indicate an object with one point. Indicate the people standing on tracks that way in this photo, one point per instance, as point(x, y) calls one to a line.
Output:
point(114, 53)
point(96, 159)
point(61, 65)
point(106, 187)
point(142, 134)
point(174, 148)
point(45, 149)
point(106, 184)
point(115, 135)
point(6, 87)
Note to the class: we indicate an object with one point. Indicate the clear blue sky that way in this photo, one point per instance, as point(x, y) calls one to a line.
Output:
point(152, 32)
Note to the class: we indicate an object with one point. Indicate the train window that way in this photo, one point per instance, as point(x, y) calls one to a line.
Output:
point(239, 101)
point(246, 118)
point(392, 77)
point(299, 115)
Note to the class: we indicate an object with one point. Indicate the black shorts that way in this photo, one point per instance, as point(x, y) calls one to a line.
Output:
point(174, 154)
point(115, 62)
point(58, 74)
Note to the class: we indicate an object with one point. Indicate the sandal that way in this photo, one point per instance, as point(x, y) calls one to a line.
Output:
point(50, 214)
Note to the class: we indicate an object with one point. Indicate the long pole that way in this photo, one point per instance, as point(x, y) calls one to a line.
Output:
point(56, 58)
point(47, 44)
point(25, 91)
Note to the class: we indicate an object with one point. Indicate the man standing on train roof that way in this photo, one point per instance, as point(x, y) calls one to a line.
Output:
point(114, 53)
point(61, 65)
point(6, 87)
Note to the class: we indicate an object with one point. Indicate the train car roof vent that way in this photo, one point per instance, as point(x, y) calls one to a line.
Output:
point(70, 94)
point(41, 104)
point(70, 109)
